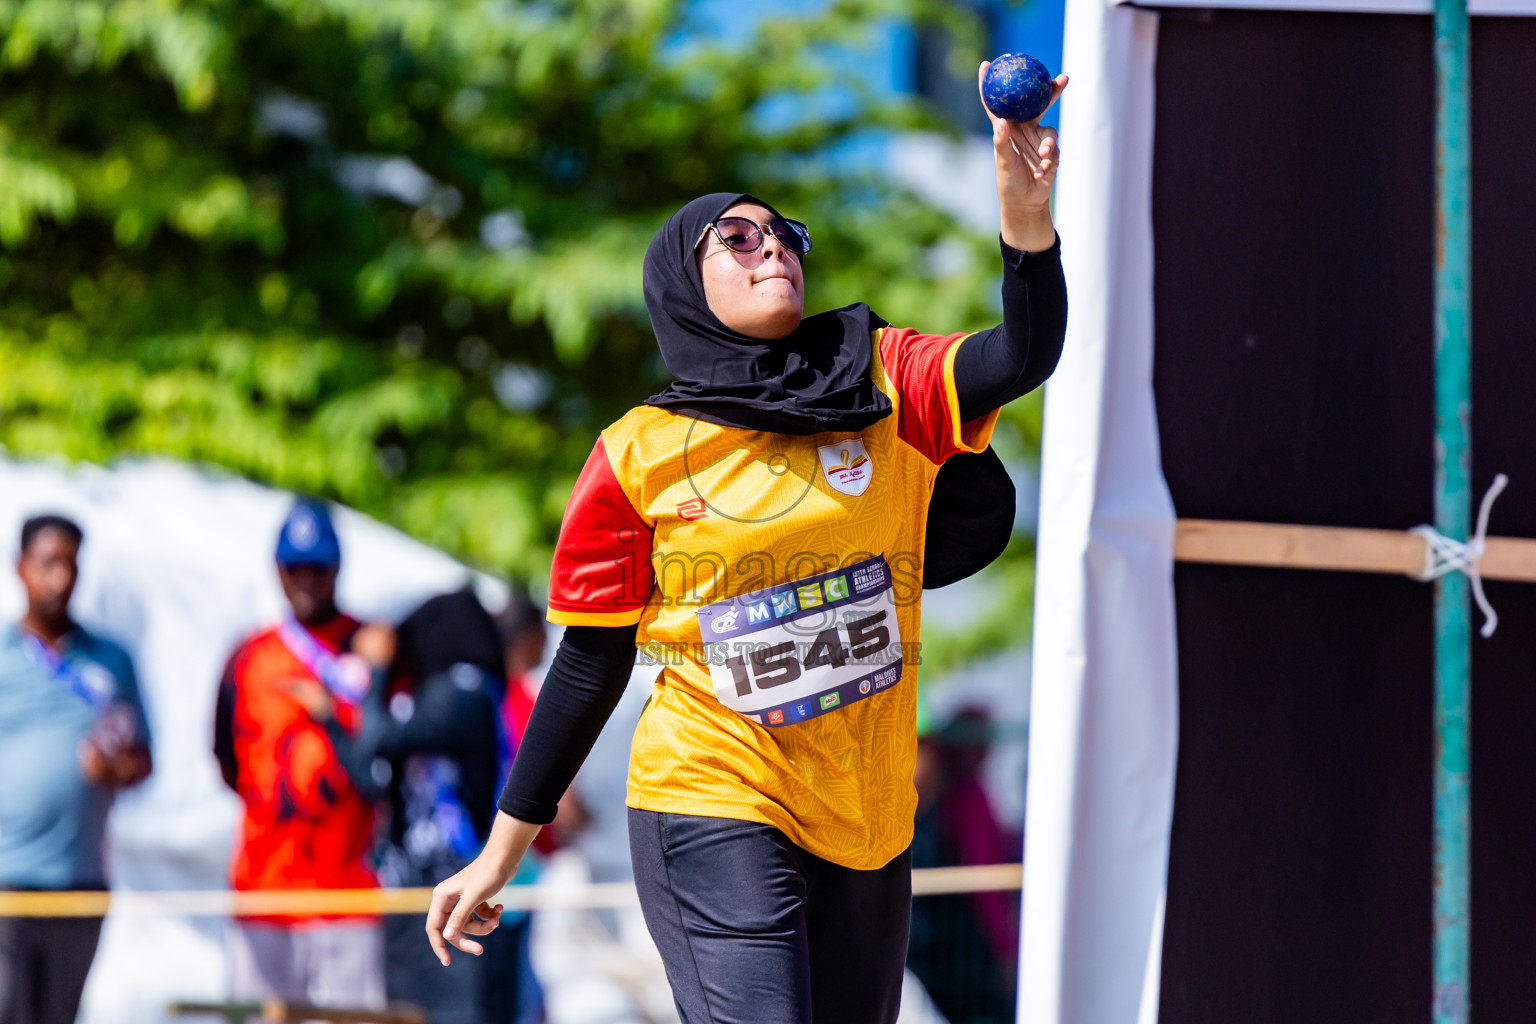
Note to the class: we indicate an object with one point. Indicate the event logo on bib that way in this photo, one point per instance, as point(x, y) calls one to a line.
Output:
point(847, 466)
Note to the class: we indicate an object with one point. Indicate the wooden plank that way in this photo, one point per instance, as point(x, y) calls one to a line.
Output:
point(1509, 558)
point(969, 878)
point(1340, 549)
point(279, 1011)
point(1282, 546)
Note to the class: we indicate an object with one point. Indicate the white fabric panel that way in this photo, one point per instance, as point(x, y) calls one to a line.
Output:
point(177, 566)
point(1104, 713)
point(1488, 8)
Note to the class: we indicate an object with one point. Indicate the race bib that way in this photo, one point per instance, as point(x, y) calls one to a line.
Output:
point(799, 650)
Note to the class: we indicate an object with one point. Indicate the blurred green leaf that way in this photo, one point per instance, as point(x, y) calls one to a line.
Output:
point(388, 251)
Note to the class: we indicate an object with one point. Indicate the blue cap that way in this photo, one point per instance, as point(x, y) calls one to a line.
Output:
point(308, 536)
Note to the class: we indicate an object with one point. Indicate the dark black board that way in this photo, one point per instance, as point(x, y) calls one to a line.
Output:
point(1293, 226)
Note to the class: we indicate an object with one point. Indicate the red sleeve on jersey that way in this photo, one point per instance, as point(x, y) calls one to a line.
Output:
point(602, 570)
point(921, 367)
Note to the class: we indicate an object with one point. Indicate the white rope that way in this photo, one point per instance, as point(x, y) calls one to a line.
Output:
point(1443, 554)
point(308, 902)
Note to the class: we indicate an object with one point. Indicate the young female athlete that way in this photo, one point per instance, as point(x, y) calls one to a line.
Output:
point(759, 527)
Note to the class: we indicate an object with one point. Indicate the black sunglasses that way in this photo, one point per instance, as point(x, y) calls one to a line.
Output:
point(740, 234)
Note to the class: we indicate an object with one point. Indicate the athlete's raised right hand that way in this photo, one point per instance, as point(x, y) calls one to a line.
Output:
point(461, 904)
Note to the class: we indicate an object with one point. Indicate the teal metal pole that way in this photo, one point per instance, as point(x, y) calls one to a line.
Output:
point(1453, 512)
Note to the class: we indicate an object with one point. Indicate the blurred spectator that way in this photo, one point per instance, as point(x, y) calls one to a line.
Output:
point(514, 994)
point(306, 825)
point(72, 731)
point(523, 641)
point(442, 740)
point(600, 966)
point(434, 749)
point(963, 947)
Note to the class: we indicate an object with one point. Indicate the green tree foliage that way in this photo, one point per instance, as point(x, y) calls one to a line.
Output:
point(388, 251)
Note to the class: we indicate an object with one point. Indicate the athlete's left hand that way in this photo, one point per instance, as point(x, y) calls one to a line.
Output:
point(1026, 156)
point(461, 904)
point(375, 644)
point(313, 697)
point(120, 769)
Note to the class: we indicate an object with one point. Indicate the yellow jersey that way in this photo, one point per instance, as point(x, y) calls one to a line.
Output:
point(778, 580)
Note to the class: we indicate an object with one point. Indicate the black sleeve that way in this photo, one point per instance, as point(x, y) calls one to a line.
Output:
point(994, 367)
point(584, 684)
point(224, 726)
point(970, 517)
point(355, 751)
point(478, 754)
point(445, 719)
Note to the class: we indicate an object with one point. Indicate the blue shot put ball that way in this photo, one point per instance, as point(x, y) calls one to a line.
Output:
point(1017, 87)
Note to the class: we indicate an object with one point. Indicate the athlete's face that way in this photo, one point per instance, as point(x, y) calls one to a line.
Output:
point(761, 294)
point(311, 591)
point(48, 569)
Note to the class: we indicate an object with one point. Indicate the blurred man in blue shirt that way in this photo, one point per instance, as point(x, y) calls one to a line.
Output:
point(72, 732)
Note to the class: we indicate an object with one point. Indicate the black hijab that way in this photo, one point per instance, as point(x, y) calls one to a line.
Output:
point(815, 379)
point(446, 630)
point(818, 378)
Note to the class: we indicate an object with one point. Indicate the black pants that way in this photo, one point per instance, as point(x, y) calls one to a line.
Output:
point(412, 974)
point(43, 964)
point(755, 930)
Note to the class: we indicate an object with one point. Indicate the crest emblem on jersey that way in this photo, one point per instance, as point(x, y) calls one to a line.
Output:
point(846, 466)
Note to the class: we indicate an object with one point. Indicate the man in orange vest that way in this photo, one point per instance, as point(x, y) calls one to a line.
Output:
point(305, 825)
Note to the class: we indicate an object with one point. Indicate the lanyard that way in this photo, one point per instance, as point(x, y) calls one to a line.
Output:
point(346, 675)
point(50, 661)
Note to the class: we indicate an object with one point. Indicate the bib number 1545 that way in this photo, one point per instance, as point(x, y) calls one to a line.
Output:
point(856, 640)
point(806, 647)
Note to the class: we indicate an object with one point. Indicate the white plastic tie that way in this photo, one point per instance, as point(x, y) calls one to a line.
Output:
point(1442, 554)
